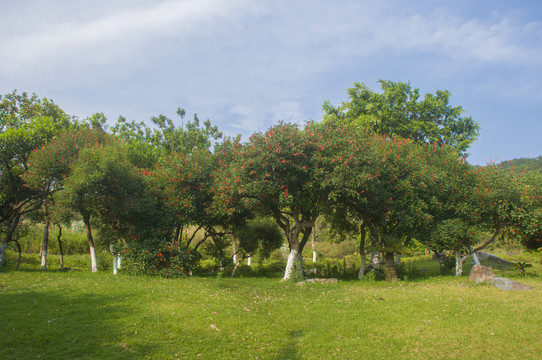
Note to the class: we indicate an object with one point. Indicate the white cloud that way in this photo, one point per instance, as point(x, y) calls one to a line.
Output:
point(105, 39)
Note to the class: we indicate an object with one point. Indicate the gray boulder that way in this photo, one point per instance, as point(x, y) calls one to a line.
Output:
point(507, 284)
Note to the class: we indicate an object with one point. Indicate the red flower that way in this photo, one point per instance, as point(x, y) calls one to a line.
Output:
point(159, 254)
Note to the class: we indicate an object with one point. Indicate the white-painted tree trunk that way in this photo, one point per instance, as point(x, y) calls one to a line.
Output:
point(249, 261)
point(313, 243)
point(119, 261)
point(458, 263)
point(292, 257)
point(234, 259)
point(43, 259)
point(115, 259)
point(44, 246)
point(93, 258)
point(474, 257)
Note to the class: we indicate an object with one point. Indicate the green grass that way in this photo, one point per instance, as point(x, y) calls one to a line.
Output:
point(80, 315)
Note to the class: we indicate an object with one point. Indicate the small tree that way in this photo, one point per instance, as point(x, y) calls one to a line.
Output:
point(260, 235)
point(26, 122)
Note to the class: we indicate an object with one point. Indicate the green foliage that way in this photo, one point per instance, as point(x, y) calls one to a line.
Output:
point(160, 257)
point(398, 111)
point(523, 165)
point(261, 235)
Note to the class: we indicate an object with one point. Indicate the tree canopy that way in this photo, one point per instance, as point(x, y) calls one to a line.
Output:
point(399, 110)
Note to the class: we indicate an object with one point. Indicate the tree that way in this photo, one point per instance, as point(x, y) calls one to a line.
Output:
point(282, 173)
point(26, 122)
point(91, 176)
point(529, 224)
point(398, 111)
point(146, 145)
point(257, 235)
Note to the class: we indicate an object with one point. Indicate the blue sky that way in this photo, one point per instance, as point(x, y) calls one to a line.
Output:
point(245, 64)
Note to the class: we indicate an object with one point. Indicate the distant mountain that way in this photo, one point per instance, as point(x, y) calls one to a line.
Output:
point(520, 164)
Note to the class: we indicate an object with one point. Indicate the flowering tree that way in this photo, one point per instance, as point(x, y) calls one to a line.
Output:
point(90, 175)
point(26, 122)
point(282, 173)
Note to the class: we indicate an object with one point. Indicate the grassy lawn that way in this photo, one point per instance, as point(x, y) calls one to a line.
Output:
point(80, 315)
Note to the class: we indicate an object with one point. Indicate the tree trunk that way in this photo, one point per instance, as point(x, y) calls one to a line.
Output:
point(3, 248)
point(389, 270)
point(375, 254)
point(93, 258)
point(234, 251)
point(60, 247)
point(249, 261)
point(313, 243)
point(474, 257)
point(397, 259)
point(119, 261)
point(458, 263)
point(44, 245)
point(9, 235)
point(362, 253)
point(115, 259)
point(20, 253)
point(293, 260)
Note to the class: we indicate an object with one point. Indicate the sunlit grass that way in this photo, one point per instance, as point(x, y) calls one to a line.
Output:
point(81, 315)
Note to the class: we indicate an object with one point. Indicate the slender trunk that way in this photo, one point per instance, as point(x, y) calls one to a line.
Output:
point(375, 254)
point(293, 259)
point(3, 248)
point(313, 243)
point(119, 261)
point(115, 259)
point(389, 270)
point(474, 256)
point(60, 246)
point(177, 233)
point(9, 235)
point(458, 262)
point(44, 245)
point(362, 254)
point(234, 251)
point(93, 258)
point(397, 259)
point(234, 271)
point(20, 253)
point(249, 261)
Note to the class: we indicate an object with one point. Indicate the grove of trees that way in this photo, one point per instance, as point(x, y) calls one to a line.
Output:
point(387, 166)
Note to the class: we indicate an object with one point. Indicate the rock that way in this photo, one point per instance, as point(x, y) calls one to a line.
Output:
point(507, 284)
point(320, 281)
point(480, 274)
point(490, 258)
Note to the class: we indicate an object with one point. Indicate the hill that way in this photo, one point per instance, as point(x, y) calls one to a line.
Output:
point(521, 164)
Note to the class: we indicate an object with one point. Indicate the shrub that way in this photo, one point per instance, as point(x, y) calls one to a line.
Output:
point(159, 257)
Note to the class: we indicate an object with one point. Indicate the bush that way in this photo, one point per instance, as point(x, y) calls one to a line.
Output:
point(159, 257)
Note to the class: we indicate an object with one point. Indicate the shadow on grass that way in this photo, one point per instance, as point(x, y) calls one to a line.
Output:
point(50, 325)
point(290, 350)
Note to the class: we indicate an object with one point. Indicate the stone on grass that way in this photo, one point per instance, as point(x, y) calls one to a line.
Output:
point(507, 284)
point(480, 274)
point(320, 281)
